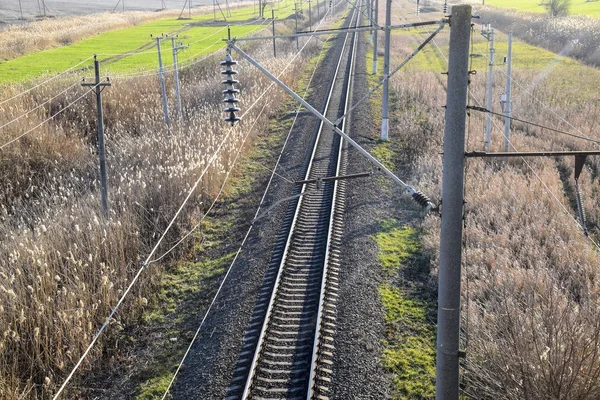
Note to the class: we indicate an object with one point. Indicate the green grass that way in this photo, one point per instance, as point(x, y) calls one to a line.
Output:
point(155, 387)
point(409, 336)
point(579, 7)
point(410, 350)
point(396, 244)
point(136, 39)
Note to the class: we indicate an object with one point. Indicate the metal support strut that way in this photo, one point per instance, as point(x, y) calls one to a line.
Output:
point(419, 197)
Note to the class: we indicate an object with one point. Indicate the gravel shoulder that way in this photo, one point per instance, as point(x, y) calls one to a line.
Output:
point(209, 368)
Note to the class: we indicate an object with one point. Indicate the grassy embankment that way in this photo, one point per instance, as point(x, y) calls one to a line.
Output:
point(409, 346)
point(195, 279)
point(111, 46)
point(578, 7)
point(63, 265)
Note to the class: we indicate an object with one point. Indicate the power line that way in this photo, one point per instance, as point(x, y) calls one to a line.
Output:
point(546, 106)
point(251, 226)
point(273, 171)
point(46, 81)
point(40, 105)
point(46, 120)
point(483, 109)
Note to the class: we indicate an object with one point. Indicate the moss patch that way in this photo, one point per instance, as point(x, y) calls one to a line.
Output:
point(409, 352)
point(410, 347)
point(396, 243)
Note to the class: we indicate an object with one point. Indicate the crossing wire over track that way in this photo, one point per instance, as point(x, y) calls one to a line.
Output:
point(287, 351)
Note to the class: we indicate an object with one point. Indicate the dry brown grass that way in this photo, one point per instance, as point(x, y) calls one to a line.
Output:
point(530, 279)
point(62, 266)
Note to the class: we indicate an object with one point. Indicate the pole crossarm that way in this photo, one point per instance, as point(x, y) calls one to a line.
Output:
point(344, 30)
point(484, 154)
point(414, 193)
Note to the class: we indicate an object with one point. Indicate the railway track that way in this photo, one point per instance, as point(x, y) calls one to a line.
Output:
point(288, 344)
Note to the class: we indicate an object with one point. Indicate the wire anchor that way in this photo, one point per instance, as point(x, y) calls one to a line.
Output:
point(231, 91)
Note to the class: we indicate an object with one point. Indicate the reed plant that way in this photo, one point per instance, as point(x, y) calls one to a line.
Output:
point(63, 265)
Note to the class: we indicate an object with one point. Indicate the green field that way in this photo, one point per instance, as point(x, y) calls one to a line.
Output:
point(111, 46)
point(579, 7)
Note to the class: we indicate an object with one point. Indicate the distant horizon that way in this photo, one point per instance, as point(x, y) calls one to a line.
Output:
point(10, 12)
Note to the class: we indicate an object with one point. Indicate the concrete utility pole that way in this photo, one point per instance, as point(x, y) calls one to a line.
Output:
point(97, 87)
point(508, 101)
point(296, 15)
point(161, 74)
point(309, 14)
point(273, 22)
point(375, 35)
point(489, 33)
point(447, 355)
point(369, 10)
point(176, 75)
point(386, 71)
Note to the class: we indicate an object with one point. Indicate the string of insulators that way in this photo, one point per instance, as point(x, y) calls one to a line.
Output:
point(580, 209)
point(446, 7)
point(231, 91)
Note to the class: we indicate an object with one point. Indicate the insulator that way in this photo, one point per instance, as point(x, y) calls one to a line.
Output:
point(231, 109)
point(421, 199)
point(229, 71)
point(580, 209)
point(228, 61)
point(231, 100)
point(232, 118)
point(231, 91)
point(230, 81)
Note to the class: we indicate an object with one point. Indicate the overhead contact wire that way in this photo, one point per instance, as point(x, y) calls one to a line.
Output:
point(249, 229)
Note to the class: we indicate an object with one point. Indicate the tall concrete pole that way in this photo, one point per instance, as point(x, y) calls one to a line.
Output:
point(273, 25)
point(375, 35)
point(163, 87)
point(386, 71)
point(97, 87)
point(176, 76)
point(490, 83)
point(369, 12)
point(508, 106)
point(447, 366)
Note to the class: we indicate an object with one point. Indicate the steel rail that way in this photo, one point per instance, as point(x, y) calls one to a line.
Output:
point(313, 370)
point(262, 335)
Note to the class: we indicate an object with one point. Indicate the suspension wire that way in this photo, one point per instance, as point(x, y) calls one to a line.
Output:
point(149, 257)
point(182, 63)
point(251, 225)
point(546, 188)
point(48, 119)
point(239, 150)
point(288, 179)
point(39, 106)
point(46, 81)
point(145, 263)
point(483, 109)
point(546, 106)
